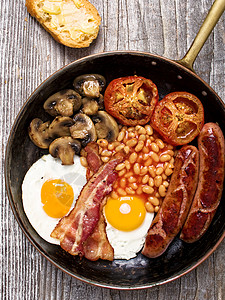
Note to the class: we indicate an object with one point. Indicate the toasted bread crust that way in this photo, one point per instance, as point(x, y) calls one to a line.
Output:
point(64, 37)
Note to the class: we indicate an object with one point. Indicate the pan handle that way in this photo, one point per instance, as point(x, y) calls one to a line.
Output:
point(210, 21)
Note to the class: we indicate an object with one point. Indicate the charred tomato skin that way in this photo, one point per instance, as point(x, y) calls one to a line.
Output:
point(131, 99)
point(178, 118)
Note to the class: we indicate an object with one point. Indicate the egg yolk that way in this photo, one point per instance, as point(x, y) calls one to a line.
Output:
point(57, 197)
point(125, 213)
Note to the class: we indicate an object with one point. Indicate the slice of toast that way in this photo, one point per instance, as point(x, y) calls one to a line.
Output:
point(73, 23)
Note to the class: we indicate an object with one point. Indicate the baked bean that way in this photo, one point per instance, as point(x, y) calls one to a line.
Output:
point(158, 181)
point(121, 136)
point(149, 129)
point(139, 158)
point(165, 157)
point(145, 155)
point(133, 157)
point(144, 171)
point(149, 207)
point(164, 177)
point(145, 150)
point(159, 171)
point(147, 189)
point(116, 185)
point(102, 142)
point(142, 137)
point(157, 195)
point(114, 195)
point(168, 171)
point(116, 143)
point(166, 183)
point(139, 190)
point(148, 142)
point(153, 200)
point(106, 153)
point(123, 182)
point(129, 174)
point(154, 156)
point(162, 190)
point(132, 142)
point(119, 148)
point(122, 172)
point(120, 167)
point(105, 159)
point(156, 209)
point(170, 147)
point(137, 127)
point(100, 149)
point(142, 130)
point(172, 161)
point(121, 192)
point(137, 169)
point(148, 162)
point(151, 182)
point(83, 161)
point(126, 149)
point(132, 179)
point(130, 129)
point(155, 147)
point(111, 146)
point(139, 146)
point(129, 190)
point(127, 164)
point(131, 134)
point(160, 143)
point(151, 170)
point(170, 152)
point(145, 179)
point(134, 186)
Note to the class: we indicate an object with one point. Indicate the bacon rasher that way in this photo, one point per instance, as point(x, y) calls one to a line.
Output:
point(74, 229)
point(97, 245)
point(93, 159)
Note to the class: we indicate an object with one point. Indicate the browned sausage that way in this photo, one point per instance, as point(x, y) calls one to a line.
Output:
point(173, 212)
point(210, 186)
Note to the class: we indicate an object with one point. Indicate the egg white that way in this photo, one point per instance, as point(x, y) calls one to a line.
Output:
point(127, 244)
point(44, 169)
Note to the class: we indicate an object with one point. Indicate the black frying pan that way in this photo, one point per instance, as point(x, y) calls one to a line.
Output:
point(21, 153)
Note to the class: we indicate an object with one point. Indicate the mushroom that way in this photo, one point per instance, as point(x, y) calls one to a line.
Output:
point(63, 103)
point(100, 102)
point(65, 148)
point(90, 106)
point(83, 129)
point(106, 126)
point(38, 133)
point(60, 126)
point(89, 85)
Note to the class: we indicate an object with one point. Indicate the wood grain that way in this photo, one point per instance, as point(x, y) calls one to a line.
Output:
point(28, 56)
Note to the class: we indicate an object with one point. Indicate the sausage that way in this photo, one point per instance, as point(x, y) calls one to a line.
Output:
point(210, 186)
point(174, 209)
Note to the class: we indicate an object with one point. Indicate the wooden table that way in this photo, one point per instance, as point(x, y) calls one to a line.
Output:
point(28, 56)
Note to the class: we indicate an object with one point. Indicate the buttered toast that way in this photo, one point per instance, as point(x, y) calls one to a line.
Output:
point(73, 23)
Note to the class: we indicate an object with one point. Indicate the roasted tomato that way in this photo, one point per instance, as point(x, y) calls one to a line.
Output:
point(131, 100)
point(178, 117)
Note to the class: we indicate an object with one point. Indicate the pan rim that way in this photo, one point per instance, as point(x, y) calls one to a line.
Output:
point(7, 170)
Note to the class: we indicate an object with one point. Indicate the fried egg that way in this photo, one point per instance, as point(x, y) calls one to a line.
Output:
point(127, 224)
point(49, 192)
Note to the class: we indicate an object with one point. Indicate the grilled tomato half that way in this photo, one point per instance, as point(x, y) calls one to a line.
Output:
point(131, 100)
point(178, 117)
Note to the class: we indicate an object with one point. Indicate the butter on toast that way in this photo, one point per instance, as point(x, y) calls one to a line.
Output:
point(73, 23)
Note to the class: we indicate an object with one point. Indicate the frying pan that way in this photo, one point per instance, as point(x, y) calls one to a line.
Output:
point(169, 76)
